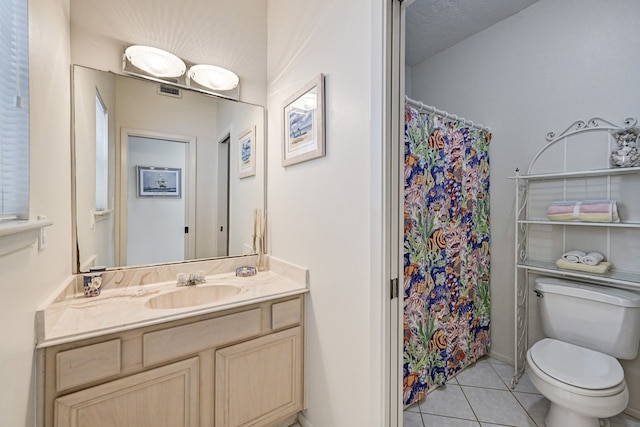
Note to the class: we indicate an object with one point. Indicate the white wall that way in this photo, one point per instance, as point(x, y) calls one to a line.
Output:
point(325, 214)
point(28, 277)
point(93, 240)
point(538, 71)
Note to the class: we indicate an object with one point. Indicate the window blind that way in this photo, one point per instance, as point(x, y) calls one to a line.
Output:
point(14, 110)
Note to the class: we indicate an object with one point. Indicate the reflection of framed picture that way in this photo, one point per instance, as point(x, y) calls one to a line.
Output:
point(247, 153)
point(304, 124)
point(159, 182)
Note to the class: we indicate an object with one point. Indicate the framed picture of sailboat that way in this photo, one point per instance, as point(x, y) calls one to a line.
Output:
point(303, 114)
point(156, 181)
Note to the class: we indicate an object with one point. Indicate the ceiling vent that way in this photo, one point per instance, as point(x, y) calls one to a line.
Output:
point(169, 90)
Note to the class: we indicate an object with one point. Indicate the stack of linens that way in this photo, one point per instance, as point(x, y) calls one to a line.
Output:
point(589, 262)
point(586, 210)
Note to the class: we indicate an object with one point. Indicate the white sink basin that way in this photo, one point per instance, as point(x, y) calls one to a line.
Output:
point(192, 295)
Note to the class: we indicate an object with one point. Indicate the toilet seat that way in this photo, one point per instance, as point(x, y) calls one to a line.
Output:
point(577, 369)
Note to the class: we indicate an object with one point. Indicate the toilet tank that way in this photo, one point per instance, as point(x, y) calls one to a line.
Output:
point(597, 317)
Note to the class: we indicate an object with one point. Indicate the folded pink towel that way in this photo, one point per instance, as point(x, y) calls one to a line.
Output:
point(587, 210)
point(563, 211)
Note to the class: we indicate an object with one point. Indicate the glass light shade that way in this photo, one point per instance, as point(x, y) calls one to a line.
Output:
point(212, 77)
point(154, 61)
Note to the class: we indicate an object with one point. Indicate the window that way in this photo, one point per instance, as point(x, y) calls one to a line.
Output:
point(14, 110)
point(102, 155)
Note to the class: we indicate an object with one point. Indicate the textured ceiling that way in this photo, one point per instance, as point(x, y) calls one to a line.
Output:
point(435, 25)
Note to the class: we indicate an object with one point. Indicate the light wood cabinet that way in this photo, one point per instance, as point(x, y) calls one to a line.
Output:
point(161, 397)
point(239, 367)
point(258, 380)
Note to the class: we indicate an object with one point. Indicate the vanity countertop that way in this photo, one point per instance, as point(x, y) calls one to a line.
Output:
point(124, 308)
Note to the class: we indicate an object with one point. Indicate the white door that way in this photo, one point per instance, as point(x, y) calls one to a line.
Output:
point(156, 224)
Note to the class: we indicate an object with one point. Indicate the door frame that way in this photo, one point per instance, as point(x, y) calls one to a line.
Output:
point(394, 154)
point(122, 180)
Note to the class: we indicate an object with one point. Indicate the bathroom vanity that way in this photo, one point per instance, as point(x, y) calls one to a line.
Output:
point(127, 358)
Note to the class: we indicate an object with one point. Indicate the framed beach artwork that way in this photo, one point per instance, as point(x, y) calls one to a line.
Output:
point(159, 181)
point(247, 153)
point(303, 115)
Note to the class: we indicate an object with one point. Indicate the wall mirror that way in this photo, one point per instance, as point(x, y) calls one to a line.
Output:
point(162, 174)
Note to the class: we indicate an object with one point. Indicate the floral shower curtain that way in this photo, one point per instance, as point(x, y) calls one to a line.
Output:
point(446, 250)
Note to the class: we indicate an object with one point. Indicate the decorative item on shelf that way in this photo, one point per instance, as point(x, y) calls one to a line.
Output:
point(626, 151)
point(303, 115)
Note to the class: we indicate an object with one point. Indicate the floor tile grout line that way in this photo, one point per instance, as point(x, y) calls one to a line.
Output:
point(512, 390)
point(469, 403)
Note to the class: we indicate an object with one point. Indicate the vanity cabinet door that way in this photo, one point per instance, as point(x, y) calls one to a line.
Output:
point(259, 382)
point(162, 397)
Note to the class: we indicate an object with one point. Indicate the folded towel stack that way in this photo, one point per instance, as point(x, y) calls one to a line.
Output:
point(590, 262)
point(601, 268)
point(587, 210)
point(577, 256)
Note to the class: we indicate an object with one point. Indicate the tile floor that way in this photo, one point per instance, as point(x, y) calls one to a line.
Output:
point(480, 396)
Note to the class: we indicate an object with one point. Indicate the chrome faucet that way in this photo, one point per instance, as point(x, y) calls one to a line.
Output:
point(191, 279)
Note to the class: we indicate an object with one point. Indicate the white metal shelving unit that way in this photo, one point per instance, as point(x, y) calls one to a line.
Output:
point(531, 186)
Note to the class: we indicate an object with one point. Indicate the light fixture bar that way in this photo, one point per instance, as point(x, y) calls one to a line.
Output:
point(158, 65)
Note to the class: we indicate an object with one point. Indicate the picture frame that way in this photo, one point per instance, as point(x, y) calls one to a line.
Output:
point(247, 153)
point(304, 124)
point(153, 181)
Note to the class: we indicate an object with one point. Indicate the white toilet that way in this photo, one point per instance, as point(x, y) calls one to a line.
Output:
point(588, 328)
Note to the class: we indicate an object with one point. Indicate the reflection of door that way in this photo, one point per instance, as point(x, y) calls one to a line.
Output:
point(155, 225)
point(223, 198)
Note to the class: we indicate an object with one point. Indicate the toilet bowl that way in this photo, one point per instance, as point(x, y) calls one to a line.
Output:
point(582, 385)
point(588, 328)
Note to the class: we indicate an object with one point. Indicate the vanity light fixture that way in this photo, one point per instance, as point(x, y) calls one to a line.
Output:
point(157, 62)
point(213, 77)
point(161, 66)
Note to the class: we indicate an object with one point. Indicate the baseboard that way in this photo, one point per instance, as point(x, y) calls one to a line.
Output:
point(304, 422)
point(501, 357)
point(635, 413)
point(288, 422)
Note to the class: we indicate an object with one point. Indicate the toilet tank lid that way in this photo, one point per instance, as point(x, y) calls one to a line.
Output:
point(602, 294)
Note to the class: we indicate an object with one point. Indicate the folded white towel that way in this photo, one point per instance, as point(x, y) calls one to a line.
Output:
point(592, 258)
point(574, 256)
point(601, 268)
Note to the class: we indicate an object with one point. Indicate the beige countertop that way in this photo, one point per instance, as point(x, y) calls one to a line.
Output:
point(122, 308)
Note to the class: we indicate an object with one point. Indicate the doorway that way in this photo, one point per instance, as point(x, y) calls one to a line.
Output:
point(154, 225)
point(222, 206)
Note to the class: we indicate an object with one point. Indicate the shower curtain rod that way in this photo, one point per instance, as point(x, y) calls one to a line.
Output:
point(423, 107)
